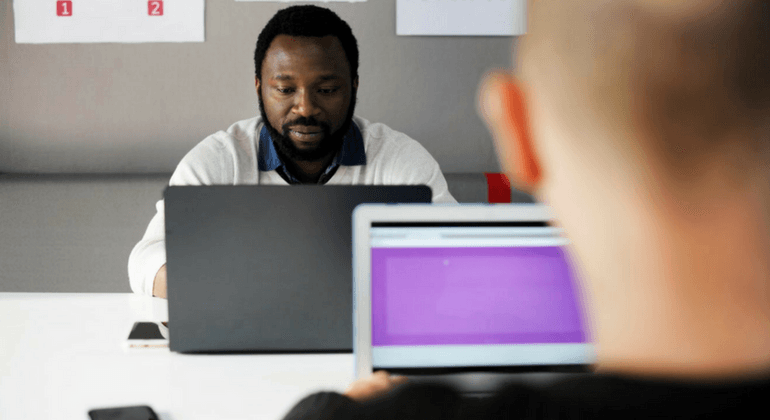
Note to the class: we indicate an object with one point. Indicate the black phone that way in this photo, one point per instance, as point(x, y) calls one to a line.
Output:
point(148, 335)
point(145, 331)
point(138, 412)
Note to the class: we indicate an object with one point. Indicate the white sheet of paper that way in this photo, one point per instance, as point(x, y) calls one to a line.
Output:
point(87, 21)
point(461, 17)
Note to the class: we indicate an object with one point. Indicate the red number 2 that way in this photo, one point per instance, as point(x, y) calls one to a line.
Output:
point(155, 7)
point(64, 8)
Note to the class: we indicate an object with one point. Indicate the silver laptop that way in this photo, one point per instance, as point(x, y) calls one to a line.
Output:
point(471, 295)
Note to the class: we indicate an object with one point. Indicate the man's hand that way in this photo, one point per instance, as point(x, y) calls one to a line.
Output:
point(159, 285)
point(378, 384)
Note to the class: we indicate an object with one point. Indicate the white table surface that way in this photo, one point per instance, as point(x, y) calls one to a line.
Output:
point(62, 354)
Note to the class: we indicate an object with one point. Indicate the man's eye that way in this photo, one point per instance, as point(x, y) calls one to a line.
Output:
point(284, 90)
point(328, 90)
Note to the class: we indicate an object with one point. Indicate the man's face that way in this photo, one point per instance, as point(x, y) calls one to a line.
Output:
point(306, 95)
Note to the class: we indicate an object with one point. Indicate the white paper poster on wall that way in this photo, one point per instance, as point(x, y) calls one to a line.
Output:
point(461, 17)
point(76, 21)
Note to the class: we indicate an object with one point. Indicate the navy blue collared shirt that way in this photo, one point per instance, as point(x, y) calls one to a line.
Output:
point(352, 153)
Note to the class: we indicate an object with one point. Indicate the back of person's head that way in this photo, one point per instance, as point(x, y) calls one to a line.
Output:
point(645, 124)
point(307, 21)
point(673, 83)
point(639, 106)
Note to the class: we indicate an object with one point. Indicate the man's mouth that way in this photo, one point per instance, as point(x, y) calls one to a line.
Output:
point(306, 133)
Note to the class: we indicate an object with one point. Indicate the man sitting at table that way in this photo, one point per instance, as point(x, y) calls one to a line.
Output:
point(306, 62)
point(646, 126)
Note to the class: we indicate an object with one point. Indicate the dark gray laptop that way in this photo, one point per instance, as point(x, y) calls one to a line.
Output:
point(265, 268)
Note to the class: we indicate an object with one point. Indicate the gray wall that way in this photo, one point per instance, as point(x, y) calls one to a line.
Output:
point(138, 108)
point(72, 233)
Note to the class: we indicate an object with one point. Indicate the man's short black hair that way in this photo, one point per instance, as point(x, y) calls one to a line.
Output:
point(309, 21)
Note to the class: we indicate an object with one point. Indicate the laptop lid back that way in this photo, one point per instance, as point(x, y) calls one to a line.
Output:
point(265, 268)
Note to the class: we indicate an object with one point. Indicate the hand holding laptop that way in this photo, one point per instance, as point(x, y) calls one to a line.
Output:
point(377, 384)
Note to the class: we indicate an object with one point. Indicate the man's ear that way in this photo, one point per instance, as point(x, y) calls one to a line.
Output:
point(355, 85)
point(256, 84)
point(503, 106)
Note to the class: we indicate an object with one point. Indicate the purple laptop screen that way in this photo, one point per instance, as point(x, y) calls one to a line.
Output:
point(460, 296)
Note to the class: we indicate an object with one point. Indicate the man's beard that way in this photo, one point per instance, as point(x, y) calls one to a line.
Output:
point(330, 143)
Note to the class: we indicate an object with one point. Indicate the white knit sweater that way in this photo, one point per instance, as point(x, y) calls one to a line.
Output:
point(230, 158)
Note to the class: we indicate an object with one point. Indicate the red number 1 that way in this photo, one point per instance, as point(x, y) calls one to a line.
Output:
point(155, 7)
point(64, 8)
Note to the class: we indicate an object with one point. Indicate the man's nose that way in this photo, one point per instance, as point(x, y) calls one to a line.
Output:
point(305, 104)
